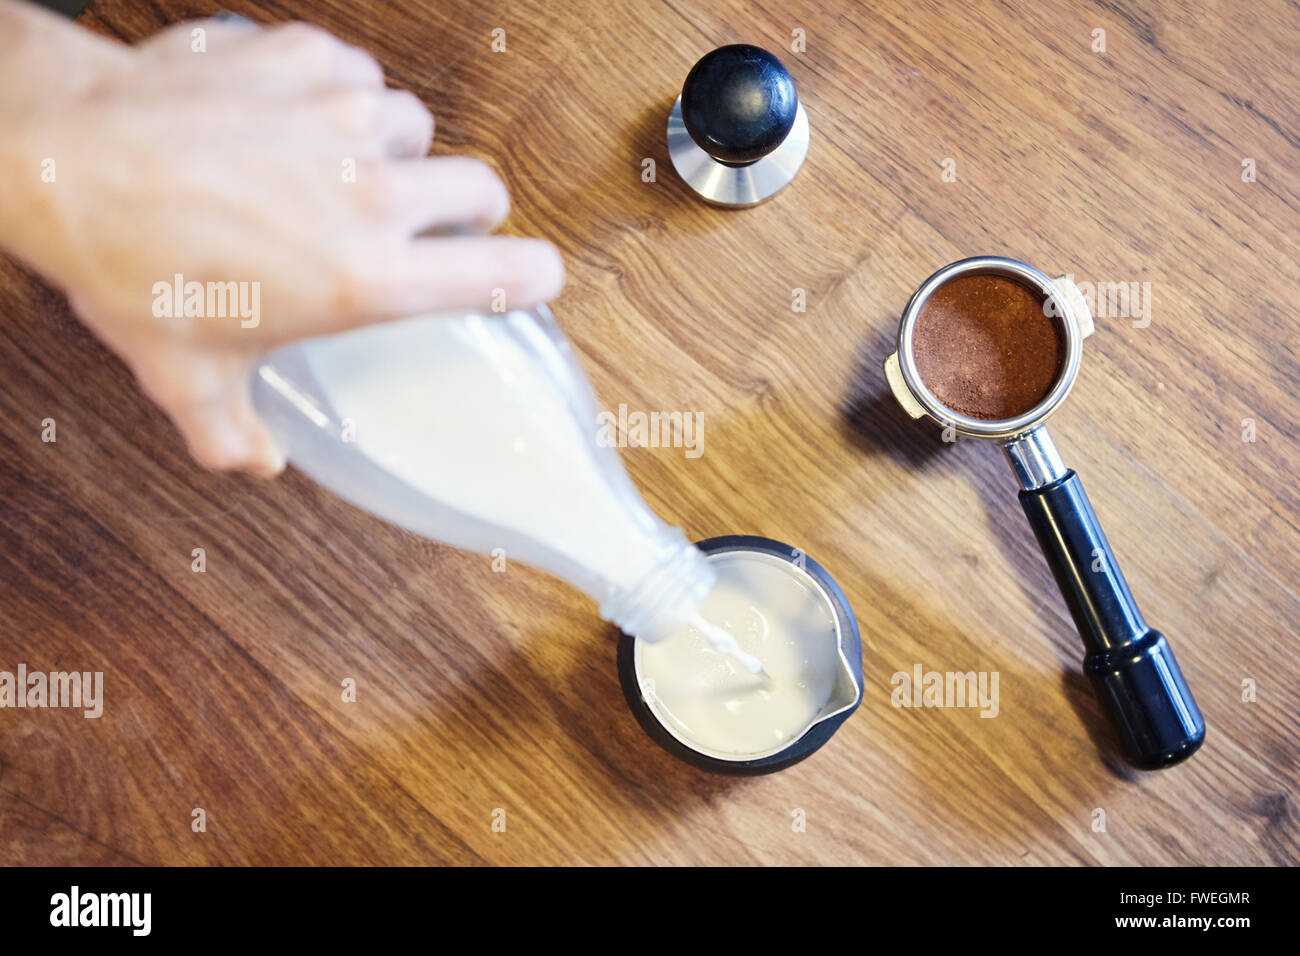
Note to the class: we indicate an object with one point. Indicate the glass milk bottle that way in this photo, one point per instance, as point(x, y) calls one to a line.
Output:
point(479, 430)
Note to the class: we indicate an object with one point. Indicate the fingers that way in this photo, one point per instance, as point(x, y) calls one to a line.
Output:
point(423, 194)
point(330, 84)
point(352, 66)
point(302, 56)
point(371, 124)
point(282, 60)
point(211, 53)
point(403, 124)
point(488, 273)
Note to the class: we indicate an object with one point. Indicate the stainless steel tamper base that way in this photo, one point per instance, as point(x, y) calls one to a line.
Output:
point(725, 185)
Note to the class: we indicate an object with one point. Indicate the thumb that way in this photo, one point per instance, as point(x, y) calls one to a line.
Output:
point(206, 394)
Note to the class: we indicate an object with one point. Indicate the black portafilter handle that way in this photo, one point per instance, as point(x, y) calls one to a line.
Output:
point(1131, 666)
point(738, 104)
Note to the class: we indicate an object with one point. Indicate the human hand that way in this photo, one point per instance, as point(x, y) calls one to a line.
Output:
point(230, 165)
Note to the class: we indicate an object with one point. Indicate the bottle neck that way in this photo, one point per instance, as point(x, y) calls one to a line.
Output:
point(667, 596)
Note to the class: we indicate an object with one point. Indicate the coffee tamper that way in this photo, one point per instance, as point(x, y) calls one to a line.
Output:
point(738, 133)
point(1131, 666)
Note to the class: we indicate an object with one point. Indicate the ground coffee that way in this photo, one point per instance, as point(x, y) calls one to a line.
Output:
point(985, 348)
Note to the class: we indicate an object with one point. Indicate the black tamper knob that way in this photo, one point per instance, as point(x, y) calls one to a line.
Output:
point(738, 133)
point(739, 104)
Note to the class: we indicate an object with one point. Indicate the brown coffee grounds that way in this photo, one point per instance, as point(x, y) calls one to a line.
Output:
point(985, 348)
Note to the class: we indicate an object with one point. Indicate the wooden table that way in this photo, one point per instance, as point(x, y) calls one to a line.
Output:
point(479, 692)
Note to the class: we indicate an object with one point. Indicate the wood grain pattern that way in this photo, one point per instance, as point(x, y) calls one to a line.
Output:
point(479, 691)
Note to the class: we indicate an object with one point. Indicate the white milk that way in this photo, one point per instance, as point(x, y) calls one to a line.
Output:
point(778, 614)
point(465, 416)
point(480, 431)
